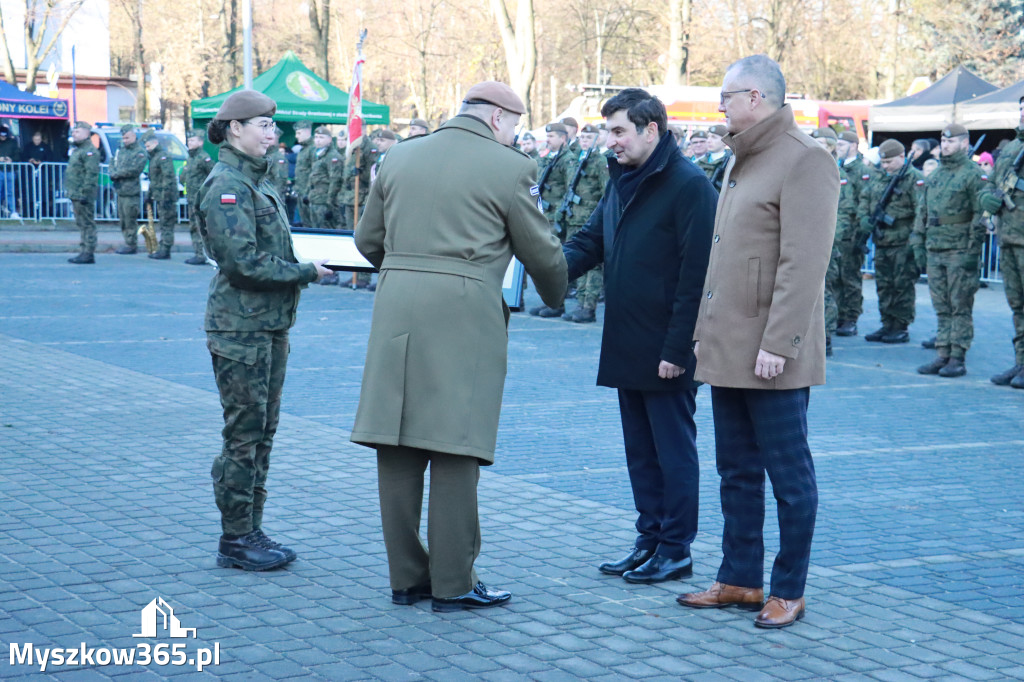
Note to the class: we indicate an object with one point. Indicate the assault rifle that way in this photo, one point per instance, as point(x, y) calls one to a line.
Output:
point(718, 175)
point(1012, 181)
point(542, 183)
point(570, 198)
point(879, 218)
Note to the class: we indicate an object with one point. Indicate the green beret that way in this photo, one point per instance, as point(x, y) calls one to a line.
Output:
point(849, 136)
point(890, 149)
point(84, 125)
point(127, 128)
point(196, 132)
point(588, 128)
point(569, 121)
point(303, 125)
point(556, 128)
point(383, 133)
point(954, 130)
point(150, 134)
point(323, 130)
point(419, 122)
point(825, 132)
point(719, 130)
point(698, 135)
point(245, 104)
point(529, 136)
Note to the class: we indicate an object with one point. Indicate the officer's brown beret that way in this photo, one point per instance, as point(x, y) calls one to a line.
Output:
point(245, 104)
point(498, 94)
point(84, 125)
point(954, 130)
point(719, 130)
point(196, 132)
point(419, 122)
point(127, 128)
point(303, 125)
point(588, 128)
point(569, 121)
point(849, 136)
point(323, 130)
point(385, 133)
point(890, 149)
point(556, 128)
point(825, 132)
point(698, 135)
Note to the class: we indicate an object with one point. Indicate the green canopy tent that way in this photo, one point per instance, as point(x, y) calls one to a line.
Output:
point(301, 95)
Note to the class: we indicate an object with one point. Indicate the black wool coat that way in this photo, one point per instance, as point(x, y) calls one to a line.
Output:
point(655, 250)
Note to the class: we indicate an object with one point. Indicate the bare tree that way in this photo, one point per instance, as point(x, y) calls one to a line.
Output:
point(38, 45)
point(320, 26)
point(520, 46)
point(229, 28)
point(678, 56)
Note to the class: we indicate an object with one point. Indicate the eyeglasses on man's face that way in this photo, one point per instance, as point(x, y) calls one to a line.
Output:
point(725, 94)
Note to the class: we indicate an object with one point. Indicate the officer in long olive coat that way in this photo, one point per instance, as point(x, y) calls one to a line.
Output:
point(435, 366)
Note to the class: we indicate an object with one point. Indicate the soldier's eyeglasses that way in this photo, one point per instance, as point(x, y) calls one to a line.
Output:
point(266, 126)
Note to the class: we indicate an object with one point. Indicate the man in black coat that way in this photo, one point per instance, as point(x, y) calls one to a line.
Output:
point(652, 230)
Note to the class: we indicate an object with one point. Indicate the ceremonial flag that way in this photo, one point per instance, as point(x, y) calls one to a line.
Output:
point(354, 126)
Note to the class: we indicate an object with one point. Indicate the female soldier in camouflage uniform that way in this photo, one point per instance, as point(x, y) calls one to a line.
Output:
point(252, 302)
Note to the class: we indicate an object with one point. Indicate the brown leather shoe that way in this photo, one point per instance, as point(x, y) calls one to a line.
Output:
point(779, 612)
point(720, 596)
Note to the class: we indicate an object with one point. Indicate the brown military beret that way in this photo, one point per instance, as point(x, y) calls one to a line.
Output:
point(127, 128)
point(890, 149)
point(303, 125)
point(385, 133)
point(719, 130)
point(323, 130)
point(569, 121)
point(589, 128)
point(245, 104)
point(849, 136)
point(556, 128)
point(419, 122)
point(196, 132)
point(825, 132)
point(698, 135)
point(498, 94)
point(954, 130)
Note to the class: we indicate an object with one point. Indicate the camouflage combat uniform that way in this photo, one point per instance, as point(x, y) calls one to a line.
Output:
point(588, 192)
point(850, 292)
point(322, 182)
point(251, 306)
point(714, 169)
point(552, 182)
point(895, 270)
point(82, 182)
point(163, 194)
point(197, 167)
point(129, 162)
point(948, 228)
point(1011, 240)
point(303, 167)
point(277, 171)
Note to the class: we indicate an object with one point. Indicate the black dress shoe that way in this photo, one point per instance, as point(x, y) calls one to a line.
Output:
point(660, 569)
point(635, 559)
point(478, 598)
point(248, 553)
point(410, 596)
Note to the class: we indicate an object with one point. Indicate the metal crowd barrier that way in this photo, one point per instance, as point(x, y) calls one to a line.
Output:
point(40, 193)
point(989, 260)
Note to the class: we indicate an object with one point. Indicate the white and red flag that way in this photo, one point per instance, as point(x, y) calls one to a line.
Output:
point(355, 98)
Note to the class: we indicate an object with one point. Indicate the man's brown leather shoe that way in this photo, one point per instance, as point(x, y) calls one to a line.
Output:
point(779, 612)
point(720, 595)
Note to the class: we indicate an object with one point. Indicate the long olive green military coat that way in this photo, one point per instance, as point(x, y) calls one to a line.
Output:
point(443, 219)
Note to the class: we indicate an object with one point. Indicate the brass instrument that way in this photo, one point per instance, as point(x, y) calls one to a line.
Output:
point(148, 232)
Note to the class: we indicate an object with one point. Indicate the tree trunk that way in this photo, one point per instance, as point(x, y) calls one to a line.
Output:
point(229, 27)
point(520, 47)
point(320, 25)
point(142, 111)
point(678, 41)
point(7, 63)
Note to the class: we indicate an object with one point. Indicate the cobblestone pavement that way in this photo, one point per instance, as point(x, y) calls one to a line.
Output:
point(109, 419)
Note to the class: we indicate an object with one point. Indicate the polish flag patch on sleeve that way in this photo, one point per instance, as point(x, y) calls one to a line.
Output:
point(227, 199)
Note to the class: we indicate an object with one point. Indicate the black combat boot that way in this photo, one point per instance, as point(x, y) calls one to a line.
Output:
point(954, 368)
point(584, 315)
point(195, 260)
point(1005, 378)
point(848, 328)
point(878, 334)
point(828, 346)
point(82, 259)
point(163, 253)
point(928, 343)
point(549, 312)
point(1018, 381)
point(248, 552)
point(288, 552)
point(934, 366)
point(127, 250)
point(897, 336)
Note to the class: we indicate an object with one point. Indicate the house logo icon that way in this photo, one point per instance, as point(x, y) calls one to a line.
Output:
point(152, 623)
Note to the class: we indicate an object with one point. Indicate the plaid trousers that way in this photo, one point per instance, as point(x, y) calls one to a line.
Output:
point(758, 431)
